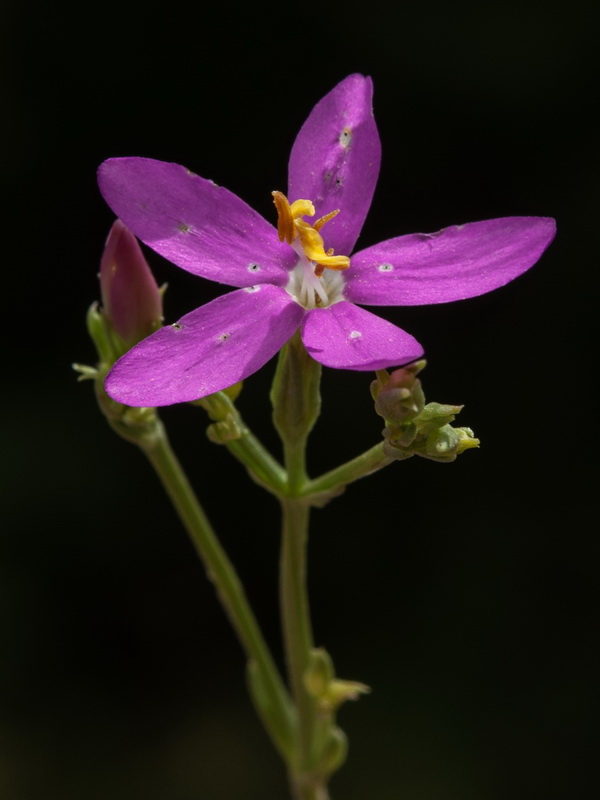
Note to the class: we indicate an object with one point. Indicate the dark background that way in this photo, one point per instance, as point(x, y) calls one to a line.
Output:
point(463, 594)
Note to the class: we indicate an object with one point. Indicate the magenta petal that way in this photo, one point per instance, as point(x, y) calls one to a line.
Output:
point(452, 264)
point(194, 223)
point(347, 337)
point(335, 160)
point(209, 349)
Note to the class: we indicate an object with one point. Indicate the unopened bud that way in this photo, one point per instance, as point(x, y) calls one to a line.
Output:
point(320, 682)
point(442, 443)
point(398, 396)
point(319, 673)
point(130, 296)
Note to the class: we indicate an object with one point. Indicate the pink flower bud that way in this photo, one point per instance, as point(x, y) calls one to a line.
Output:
point(130, 295)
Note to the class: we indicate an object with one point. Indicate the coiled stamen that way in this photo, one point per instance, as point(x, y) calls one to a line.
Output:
point(290, 226)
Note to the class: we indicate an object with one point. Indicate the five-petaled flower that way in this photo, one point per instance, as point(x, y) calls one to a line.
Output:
point(299, 274)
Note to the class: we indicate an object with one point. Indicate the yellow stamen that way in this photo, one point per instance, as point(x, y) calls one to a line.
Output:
point(287, 215)
point(302, 208)
point(285, 221)
point(322, 220)
point(313, 245)
point(290, 225)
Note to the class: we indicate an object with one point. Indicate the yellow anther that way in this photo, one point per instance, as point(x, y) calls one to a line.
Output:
point(285, 220)
point(287, 214)
point(302, 208)
point(290, 225)
point(313, 246)
point(322, 220)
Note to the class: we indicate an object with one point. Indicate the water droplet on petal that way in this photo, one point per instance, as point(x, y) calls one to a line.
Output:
point(385, 267)
point(355, 335)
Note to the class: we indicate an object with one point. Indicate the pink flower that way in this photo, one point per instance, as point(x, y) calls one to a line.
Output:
point(304, 278)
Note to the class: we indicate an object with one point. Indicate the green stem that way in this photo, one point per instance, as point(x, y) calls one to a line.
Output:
point(297, 629)
point(260, 463)
point(305, 781)
point(366, 463)
point(277, 709)
point(296, 406)
point(230, 429)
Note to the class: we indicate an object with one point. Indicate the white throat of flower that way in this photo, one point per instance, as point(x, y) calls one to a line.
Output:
point(316, 280)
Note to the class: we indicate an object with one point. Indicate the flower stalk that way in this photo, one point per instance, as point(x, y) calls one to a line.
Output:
point(296, 400)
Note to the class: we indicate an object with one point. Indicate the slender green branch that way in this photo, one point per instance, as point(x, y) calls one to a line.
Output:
point(230, 429)
point(261, 465)
point(277, 710)
point(366, 463)
point(306, 781)
point(295, 612)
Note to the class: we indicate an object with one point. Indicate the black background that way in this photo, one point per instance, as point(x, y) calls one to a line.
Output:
point(463, 594)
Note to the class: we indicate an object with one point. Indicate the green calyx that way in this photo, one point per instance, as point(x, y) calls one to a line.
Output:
point(414, 427)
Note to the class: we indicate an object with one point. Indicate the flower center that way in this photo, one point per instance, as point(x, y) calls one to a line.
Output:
point(308, 283)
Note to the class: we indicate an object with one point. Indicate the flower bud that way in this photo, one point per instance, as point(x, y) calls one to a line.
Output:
point(130, 296)
point(442, 443)
point(413, 427)
point(445, 443)
point(398, 396)
point(319, 673)
point(320, 682)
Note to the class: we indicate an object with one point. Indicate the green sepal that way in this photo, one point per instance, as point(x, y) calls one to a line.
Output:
point(86, 373)
point(109, 345)
point(227, 425)
point(233, 392)
point(225, 430)
point(218, 405)
point(397, 453)
point(400, 435)
point(320, 682)
point(295, 392)
point(435, 415)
